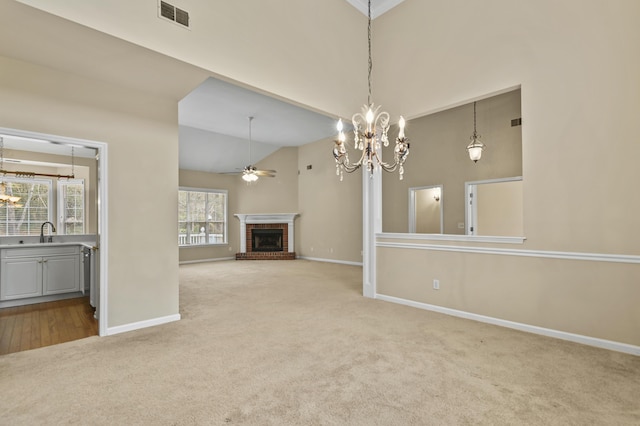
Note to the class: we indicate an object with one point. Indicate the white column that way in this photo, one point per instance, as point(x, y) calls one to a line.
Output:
point(243, 232)
point(371, 224)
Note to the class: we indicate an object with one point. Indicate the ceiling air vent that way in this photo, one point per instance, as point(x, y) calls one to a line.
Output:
point(516, 122)
point(172, 13)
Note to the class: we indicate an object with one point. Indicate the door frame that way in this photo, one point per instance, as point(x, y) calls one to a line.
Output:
point(412, 206)
point(471, 207)
point(102, 201)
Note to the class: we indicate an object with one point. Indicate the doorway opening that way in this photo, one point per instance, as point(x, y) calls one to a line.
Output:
point(425, 210)
point(494, 207)
point(39, 147)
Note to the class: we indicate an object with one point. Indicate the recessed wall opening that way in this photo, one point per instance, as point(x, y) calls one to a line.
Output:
point(439, 158)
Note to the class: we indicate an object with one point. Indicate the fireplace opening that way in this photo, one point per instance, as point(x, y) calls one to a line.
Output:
point(266, 239)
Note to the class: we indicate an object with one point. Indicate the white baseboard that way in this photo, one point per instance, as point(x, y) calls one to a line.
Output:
point(217, 259)
point(577, 338)
point(343, 262)
point(142, 324)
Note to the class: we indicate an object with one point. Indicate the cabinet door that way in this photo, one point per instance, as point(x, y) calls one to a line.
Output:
point(21, 278)
point(61, 274)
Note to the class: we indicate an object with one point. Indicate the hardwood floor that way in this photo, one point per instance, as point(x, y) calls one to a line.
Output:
point(44, 324)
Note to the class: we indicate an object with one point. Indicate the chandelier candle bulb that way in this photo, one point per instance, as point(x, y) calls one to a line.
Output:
point(401, 125)
point(369, 119)
point(341, 136)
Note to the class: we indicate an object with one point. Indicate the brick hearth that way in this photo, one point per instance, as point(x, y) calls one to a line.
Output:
point(266, 255)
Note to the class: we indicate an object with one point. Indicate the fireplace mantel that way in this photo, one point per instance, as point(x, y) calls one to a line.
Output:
point(258, 218)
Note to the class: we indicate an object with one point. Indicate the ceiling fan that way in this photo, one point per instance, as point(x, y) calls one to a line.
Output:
point(251, 173)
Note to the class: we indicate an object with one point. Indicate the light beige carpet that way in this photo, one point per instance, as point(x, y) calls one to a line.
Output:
point(294, 343)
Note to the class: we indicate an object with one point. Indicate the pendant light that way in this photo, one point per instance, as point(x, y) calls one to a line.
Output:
point(476, 146)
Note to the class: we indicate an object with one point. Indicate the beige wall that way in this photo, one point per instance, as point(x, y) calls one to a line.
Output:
point(580, 106)
point(499, 209)
point(311, 54)
point(143, 174)
point(438, 156)
point(272, 195)
point(596, 299)
point(579, 101)
point(331, 211)
point(427, 211)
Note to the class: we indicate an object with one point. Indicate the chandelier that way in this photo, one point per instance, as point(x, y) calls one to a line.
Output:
point(476, 146)
point(370, 132)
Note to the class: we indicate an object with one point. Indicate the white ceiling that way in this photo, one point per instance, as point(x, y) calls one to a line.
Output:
point(213, 118)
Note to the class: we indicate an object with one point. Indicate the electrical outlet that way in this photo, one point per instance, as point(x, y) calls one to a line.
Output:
point(436, 284)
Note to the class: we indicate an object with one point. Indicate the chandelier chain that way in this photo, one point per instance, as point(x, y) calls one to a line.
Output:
point(370, 61)
point(474, 117)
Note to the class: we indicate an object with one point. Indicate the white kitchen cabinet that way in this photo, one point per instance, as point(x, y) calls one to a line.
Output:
point(60, 274)
point(39, 271)
point(21, 277)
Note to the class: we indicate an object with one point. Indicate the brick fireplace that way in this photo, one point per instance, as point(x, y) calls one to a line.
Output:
point(266, 236)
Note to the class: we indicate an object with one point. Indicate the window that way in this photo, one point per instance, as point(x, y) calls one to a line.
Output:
point(202, 217)
point(27, 215)
point(71, 206)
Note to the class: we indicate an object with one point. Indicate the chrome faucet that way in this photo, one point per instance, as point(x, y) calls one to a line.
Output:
point(53, 229)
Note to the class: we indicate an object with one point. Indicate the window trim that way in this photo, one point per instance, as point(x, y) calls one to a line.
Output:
point(61, 205)
point(226, 216)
